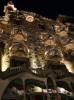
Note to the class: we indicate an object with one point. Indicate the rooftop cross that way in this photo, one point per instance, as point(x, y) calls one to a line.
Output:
point(10, 7)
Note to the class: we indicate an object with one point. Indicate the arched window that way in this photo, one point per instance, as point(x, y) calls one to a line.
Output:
point(14, 90)
point(64, 90)
point(64, 85)
point(35, 90)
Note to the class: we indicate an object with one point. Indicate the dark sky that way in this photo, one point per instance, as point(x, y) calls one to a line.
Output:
point(48, 8)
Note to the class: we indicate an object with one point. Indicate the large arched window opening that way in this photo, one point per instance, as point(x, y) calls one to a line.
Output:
point(64, 85)
point(64, 90)
point(35, 90)
point(14, 90)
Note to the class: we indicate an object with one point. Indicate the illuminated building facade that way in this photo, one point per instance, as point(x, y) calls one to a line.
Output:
point(36, 56)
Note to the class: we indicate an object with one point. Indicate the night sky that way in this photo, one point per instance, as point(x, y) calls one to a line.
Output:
point(48, 8)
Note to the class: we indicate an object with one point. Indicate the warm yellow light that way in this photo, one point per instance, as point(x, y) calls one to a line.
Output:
point(5, 63)
point(36, 61)
point(68, 65)
point(37, 89)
